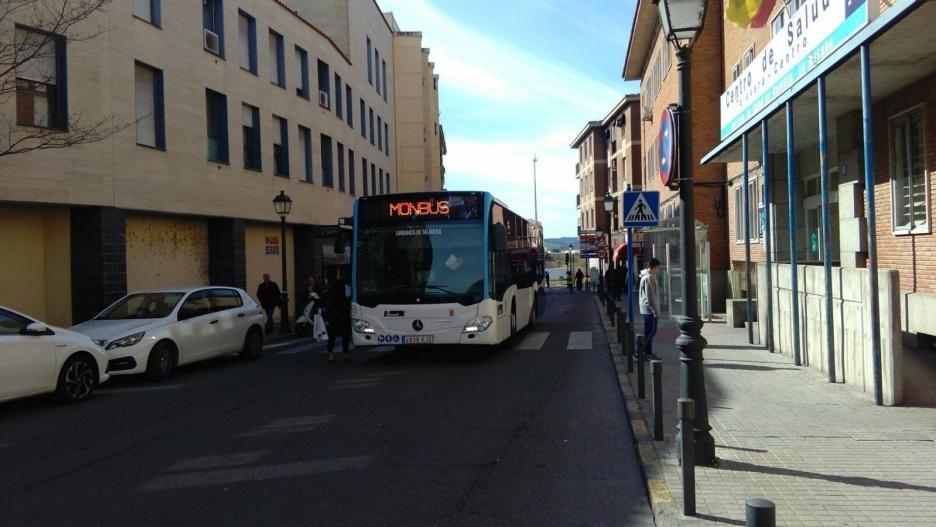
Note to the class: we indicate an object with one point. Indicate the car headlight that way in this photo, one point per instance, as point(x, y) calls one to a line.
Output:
point(478, 325)
point(361, 326)
point(126, 341)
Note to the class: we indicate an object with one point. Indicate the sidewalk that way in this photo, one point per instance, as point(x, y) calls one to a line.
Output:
point(824, 454)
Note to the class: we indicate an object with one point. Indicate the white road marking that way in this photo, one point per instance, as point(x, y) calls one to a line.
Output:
point(288, 343)
point(161, 387)
point(258, 473)
point(222, 461)
point(533, 341)
point(303, 349)
point(290, 425)
point(579, 340)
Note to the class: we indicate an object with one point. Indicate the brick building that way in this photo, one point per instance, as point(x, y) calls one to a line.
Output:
point(652, 61)
point(591, 171)
point(770, 85)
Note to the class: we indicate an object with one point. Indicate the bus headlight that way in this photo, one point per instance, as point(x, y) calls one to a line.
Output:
point(478, 325)
point(361, 326)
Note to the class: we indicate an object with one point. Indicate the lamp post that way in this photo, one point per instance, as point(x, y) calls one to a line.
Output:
point(608, 203)
point(535, 206)
point(283, 204)
point(570, 261)
point(682, 22)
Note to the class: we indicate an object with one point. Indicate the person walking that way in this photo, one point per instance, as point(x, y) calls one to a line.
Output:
point(579, 277)
point(268, 294)
point(650, 305)
point(338, 317)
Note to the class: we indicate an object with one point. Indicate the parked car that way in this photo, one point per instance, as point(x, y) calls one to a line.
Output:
point(37, 358)
point(154, 331)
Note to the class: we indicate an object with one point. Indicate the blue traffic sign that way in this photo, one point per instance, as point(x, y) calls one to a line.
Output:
point(641, 209)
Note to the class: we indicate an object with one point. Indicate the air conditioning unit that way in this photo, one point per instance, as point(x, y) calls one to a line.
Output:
point(212, 42)
point(646, 113)
point(324, 100)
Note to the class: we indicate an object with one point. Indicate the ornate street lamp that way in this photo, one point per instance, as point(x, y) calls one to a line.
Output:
point(283, 204)
point(608, 202)
point(682, 22)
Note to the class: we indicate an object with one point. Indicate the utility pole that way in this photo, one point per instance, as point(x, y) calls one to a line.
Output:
point(535, 206)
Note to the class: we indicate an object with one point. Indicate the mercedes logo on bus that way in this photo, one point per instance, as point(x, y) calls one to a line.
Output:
point(417, 325)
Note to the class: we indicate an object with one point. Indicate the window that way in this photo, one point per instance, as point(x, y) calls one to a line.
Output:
point(377, 65)
point(224, 299)
point(753, 215)
point(302, 68)
point(351, 171)
point(363, 122)
point(341, 165)
point(748, 57)
point(373, 178)
point(277, 62)
point(247, 41)
point(327, 176)
point(364, 175)
point(387, 175)
point(776, 25)
point(213, 24)
point(11, 323)
point(349, 100)
point(371, 120)
point(196, 305)
point(280, 147)
point(735, 71)
point(41, 91)
point(386, 89)
point(305, 139)
point(250, 117)
point(216, 110)
point(148, 10)
point(379, 133)
point(370, 64)
point(339, 104)
point(150, 106)
point(386, 134)
point(908, 173)
point(323, 86)
point(380, 179)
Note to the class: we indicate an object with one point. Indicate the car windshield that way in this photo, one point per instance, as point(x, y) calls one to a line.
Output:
point(141, 306)
point(435, 262)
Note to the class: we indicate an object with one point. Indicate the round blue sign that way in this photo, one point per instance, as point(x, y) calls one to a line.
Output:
point(667, 141)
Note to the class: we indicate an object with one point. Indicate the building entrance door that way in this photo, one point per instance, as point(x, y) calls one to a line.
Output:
point(812, 209)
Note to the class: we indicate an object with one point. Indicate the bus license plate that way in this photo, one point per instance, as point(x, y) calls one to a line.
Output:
point(417, 339)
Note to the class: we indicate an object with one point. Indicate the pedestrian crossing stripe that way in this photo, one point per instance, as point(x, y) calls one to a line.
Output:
point(640, 211)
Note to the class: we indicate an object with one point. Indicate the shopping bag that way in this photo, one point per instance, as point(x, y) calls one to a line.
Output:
point(319, 331)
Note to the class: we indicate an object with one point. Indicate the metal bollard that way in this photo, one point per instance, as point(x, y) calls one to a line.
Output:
point(759, 512)
point(641, 371)
point(685, 408)
point(628, 346)
point(656, 373)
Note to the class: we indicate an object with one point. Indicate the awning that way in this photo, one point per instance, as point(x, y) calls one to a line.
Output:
point(903, 50)
point(620, 252)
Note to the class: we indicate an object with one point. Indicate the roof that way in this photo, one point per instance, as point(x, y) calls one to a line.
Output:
point(643, 30)
point(581, 135)
point(620, 107)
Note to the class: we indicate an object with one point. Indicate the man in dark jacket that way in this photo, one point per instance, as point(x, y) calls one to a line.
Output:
point(338, 317)
point(268, 294)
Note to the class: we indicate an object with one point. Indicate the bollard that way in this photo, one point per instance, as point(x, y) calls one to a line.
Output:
point(628, 346)
point(759, 512)
point(641, 382)
point(656, 373)
point(686, 410)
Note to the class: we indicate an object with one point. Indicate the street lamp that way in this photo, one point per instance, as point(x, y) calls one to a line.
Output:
point(283, 204)
point(570, 261)
point(609, 290)
point(682, 22)
point(535, 206)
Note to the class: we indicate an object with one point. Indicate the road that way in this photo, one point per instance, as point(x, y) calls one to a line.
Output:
point(533, 433)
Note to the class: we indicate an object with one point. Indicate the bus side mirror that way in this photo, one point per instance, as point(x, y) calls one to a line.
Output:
point(499, 237)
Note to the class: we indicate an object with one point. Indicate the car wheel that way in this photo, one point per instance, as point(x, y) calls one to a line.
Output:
point(161, 362)
point(77, 379)
point(253, 345)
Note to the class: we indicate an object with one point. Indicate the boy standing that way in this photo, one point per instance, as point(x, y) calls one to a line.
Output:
point(650, 305)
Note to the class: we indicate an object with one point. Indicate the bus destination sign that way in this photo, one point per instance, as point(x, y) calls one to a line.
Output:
point(427, 207)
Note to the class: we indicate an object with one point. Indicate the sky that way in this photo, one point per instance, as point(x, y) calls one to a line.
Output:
point(519, 78)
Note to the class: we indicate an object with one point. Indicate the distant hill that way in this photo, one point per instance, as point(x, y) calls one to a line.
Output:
point(556, 244)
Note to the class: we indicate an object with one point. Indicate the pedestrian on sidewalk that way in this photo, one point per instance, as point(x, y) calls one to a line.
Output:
point(338, 317)
point(268, 294)
point(579, 278)
point(650, 305)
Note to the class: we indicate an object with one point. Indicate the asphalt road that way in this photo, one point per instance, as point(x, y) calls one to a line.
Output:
point(532, 433)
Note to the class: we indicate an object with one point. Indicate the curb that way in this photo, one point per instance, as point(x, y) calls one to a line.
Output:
point(662, 504)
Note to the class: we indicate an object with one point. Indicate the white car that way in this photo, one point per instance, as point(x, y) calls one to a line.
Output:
point(36, 358)
point(154, 331)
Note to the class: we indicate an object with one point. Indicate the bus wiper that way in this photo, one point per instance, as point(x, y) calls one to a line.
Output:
point(441, 288)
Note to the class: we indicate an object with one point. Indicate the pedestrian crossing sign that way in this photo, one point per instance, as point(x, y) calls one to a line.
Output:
point(641, 209)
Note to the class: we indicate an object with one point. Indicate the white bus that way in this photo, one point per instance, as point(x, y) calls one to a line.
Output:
point(443, 268)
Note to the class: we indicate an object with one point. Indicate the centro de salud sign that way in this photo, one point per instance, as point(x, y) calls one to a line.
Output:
point(812, 33)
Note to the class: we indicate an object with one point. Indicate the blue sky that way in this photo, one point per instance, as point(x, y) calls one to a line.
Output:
point(518, 78)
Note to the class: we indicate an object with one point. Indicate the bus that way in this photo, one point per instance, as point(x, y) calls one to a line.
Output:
point(443, 268)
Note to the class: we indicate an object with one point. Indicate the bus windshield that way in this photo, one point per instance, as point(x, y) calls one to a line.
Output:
point(420, 262)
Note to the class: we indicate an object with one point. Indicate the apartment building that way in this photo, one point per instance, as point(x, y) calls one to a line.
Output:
point(591, 171)
point(785, 207)
point(420, 142)
point(225, 103)
point(651, 60)
point(622, 140)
